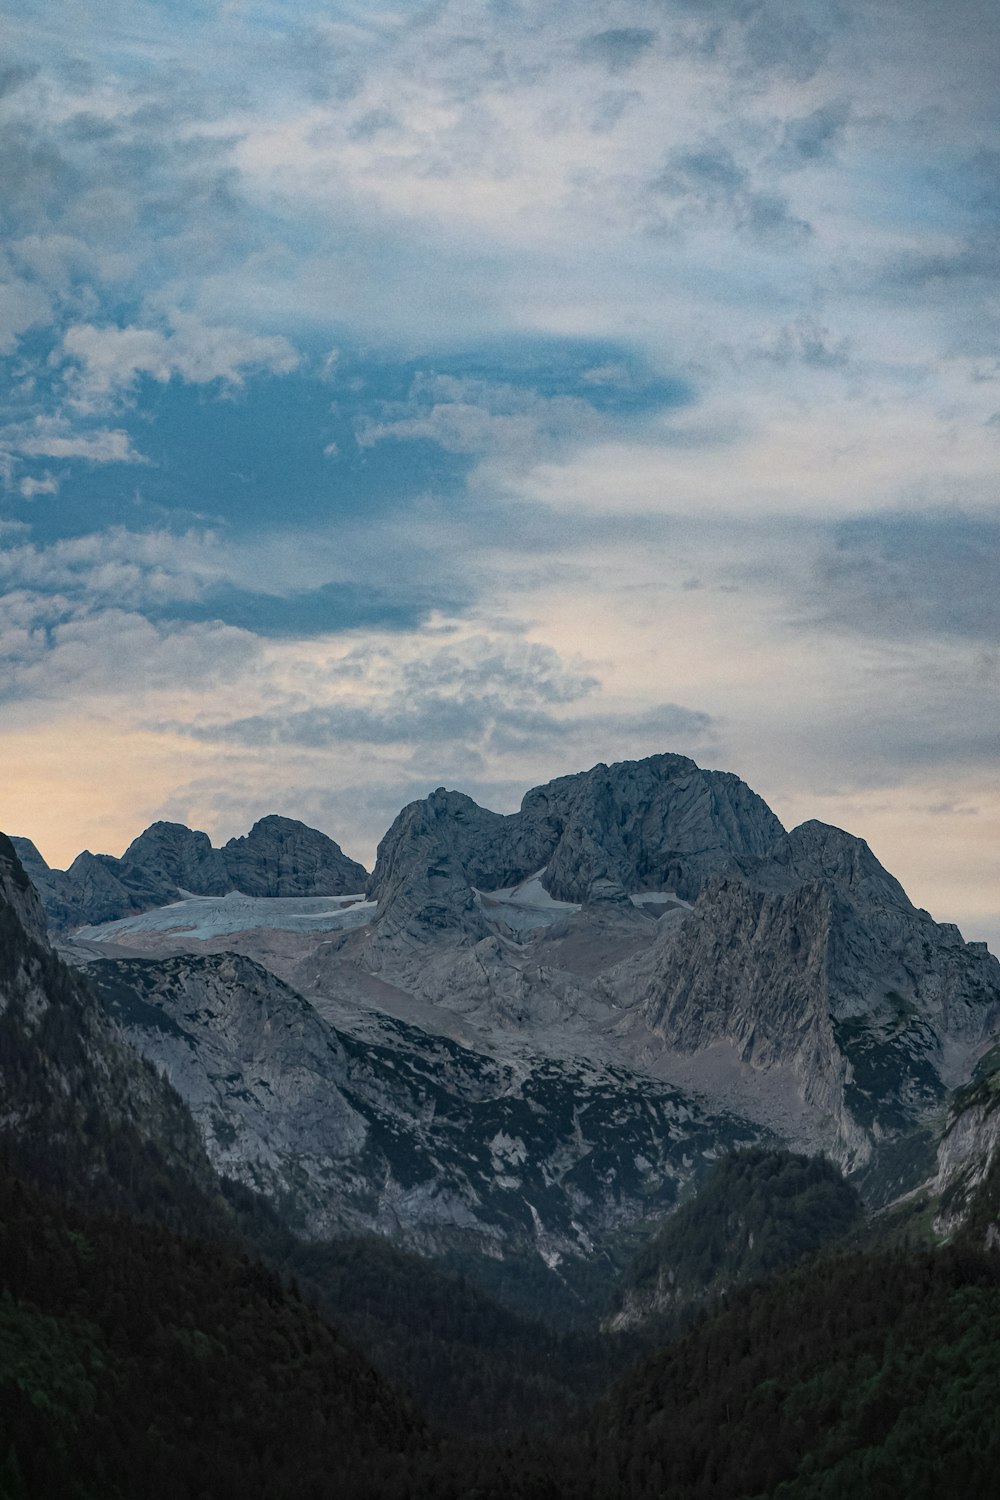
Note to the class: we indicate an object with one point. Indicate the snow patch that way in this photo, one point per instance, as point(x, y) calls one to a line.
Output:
point(206, 917)
point(525, 906)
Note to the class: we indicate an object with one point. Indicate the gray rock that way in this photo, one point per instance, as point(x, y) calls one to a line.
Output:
point(283, 857)
point(92, 885)
point(17, 894)
point(65, 1062)
point(657, 824)
point(403, 1132)
point(168, 857)
point(279, 857)
point(814, 960)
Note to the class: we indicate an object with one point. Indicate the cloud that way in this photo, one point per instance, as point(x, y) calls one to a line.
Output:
point(482, 698)
point(617, 49)
point(109, 361)
point(708, 180)
point(29, 487)
point(907, 576)
point(814, 137)
point(54, 437)
point(468, 415)
point(117, 566)
point(22, 306)
point(114, 655)
point(805, 340)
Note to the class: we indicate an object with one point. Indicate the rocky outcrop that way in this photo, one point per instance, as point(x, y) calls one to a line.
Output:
point(429, 862)
point(283, 857)
point(255, 1065)
point(79, 1109)
point(814, 960)
point(168, 857)
point(18, 897)
point(658, 824)
point(279, 857)
point(966, 1182)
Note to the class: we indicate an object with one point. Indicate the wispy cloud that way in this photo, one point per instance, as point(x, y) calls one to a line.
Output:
point(623, 300)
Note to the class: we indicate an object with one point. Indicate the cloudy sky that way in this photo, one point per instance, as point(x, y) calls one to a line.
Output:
point(465, 393)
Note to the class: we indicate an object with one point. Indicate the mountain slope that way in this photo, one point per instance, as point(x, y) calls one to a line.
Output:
point(79, 1109)
point(132, 1360)
point(395, 1130)
point(756, 1213)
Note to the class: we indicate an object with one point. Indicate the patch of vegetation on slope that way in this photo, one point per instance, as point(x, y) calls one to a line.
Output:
point(757, 1212)
point(864, 1375)
point(135, 1362)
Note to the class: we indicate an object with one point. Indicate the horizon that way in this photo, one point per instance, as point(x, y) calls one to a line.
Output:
point(367, 858)
point(496, 391)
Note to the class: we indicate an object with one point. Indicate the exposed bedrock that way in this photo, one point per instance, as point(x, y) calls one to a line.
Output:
point(278, 857)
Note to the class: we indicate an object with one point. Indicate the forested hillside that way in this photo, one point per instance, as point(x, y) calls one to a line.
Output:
point(757, 1212)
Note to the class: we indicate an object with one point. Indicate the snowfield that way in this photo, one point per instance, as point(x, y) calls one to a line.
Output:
point(205, 917)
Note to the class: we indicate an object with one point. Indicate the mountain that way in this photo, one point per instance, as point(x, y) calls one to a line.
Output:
point(279, 857)
point(658, 824)
point(126, 1295)
point(537, 1029)
point(132, 1353)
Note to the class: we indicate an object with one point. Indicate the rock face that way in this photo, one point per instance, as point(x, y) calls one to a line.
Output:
point(966, 1177)
point(76, 1100)
point(18, 897)
point(279, 857)
point(659, 824)
point(171, 857)
point(405, 1133)
point(813, 959)
point(282, 857)
point(253, 1062)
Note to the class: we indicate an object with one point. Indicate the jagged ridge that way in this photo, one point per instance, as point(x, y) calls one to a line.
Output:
point(278, 857)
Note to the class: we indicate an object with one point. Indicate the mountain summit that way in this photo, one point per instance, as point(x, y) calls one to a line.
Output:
point(278, 857)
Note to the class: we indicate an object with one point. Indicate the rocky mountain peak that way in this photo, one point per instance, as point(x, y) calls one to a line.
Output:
point(176, 857)
point(18, 893)
point(279, 857)
point(283, 857)
point(818, 851)
point(657, 824)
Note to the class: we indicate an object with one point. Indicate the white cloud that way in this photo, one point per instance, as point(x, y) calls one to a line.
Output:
point(469, 415)
point(54, 437)
point(23, 305)
point(108, 361)
point(139, 569)
point(29, 486)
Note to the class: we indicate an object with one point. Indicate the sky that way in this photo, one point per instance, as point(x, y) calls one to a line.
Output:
point(465, 393)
